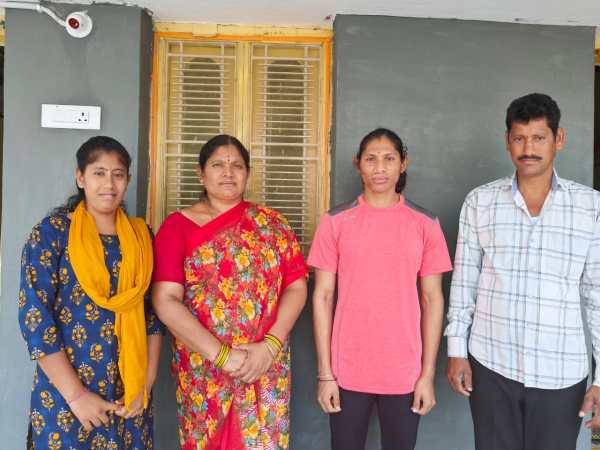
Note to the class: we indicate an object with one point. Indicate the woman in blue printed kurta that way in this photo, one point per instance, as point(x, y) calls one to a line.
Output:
point(56, 315)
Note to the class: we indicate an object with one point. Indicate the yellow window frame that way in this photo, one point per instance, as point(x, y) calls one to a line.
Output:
point(247, 35)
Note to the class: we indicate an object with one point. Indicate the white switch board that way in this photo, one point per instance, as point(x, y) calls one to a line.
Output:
point(71, 116)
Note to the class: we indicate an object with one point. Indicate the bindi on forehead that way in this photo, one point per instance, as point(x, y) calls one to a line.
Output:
point(227, 154)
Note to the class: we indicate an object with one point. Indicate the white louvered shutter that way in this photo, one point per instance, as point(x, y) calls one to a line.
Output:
point(285, 137)
point(268, 95)
point(200, 104)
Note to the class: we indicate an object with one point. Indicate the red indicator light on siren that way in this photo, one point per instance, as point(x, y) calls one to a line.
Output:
point(74, 23)
point(78, 24)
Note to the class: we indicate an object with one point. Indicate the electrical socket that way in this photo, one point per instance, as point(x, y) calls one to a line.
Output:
point(84, 117)
point(71, 116)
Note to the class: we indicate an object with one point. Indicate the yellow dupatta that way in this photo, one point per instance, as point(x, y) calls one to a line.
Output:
point(86, 254)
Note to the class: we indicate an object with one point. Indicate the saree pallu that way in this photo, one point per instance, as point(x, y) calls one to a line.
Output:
point(236, 268)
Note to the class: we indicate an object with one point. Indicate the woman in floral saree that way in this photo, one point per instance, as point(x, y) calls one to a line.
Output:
point(229, 283)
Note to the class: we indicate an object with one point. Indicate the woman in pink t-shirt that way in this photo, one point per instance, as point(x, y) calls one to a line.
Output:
point(379, 251)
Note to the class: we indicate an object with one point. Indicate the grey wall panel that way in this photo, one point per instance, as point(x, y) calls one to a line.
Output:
point(44, 65)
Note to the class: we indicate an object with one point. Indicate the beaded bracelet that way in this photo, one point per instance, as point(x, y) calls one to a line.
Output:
point(222, 356)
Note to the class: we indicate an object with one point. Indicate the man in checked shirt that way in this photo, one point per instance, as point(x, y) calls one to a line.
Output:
point(527, 257)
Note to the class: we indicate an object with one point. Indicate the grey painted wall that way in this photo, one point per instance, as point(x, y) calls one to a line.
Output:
point(444, 86)
point(43, 65)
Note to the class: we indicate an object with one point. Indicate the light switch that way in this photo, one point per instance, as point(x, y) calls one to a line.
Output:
point(71, 116)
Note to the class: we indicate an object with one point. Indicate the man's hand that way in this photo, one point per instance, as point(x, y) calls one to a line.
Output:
point(460, 376)
point(591, 403)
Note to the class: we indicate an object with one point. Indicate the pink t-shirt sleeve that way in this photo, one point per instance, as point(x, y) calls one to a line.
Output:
point(169, 251)
point(435, 257)
point(323, 253)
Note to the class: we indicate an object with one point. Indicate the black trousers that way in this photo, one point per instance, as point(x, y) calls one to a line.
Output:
point(397, 422)
point(509, 416)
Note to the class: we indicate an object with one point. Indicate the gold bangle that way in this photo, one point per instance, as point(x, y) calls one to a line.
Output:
point(219, 356)
point(226, 357)
point(222, 356)
point(217, 361)
point(271, 351)
point(274, 340)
